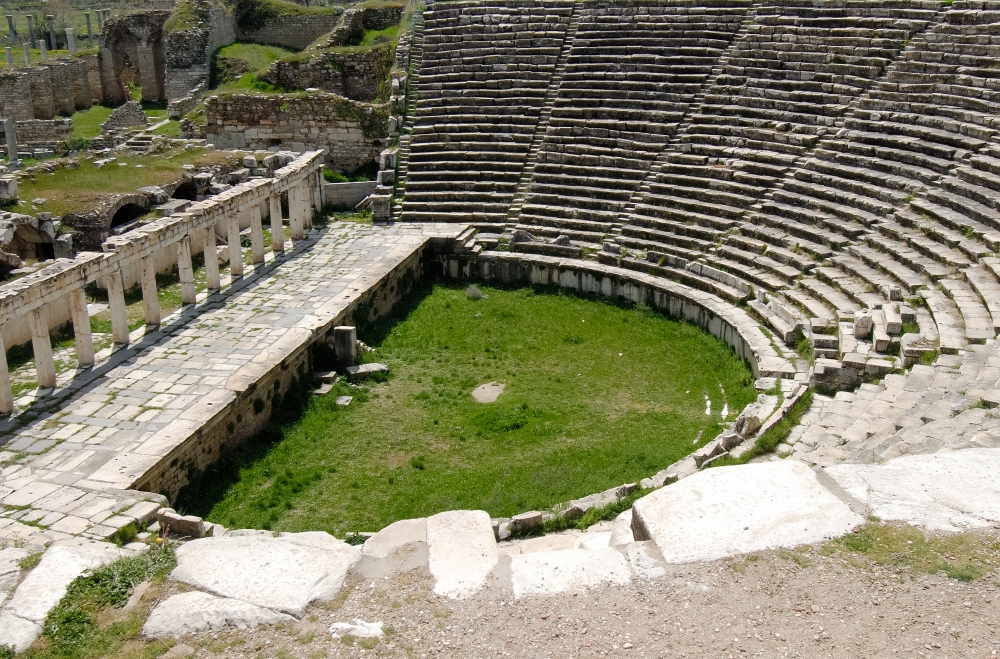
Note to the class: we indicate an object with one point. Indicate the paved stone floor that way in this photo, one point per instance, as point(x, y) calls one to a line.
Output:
point(69, 454)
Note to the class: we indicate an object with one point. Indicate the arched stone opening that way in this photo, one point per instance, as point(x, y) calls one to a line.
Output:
point(125, 217)
point(133, 52)
point(187, 190)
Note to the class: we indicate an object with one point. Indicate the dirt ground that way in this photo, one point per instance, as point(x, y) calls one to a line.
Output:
point(783, 604)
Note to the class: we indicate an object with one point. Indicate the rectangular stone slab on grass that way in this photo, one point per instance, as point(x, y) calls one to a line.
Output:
point(728, 511)
point(196, 613)
point(462, 551)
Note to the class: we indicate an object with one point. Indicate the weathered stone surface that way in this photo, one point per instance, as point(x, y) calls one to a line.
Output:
point(9, 570)
point(525, 521)
point(45, 585)
point(950, 491)
point(359, 629)
point(645, 559)
point(489, 392)
point(621, 532)
point(733, 510)
point(863, 326)
point(365, 371)
point(284, 574)
point(551, 572)
point(462, 551)
point(196, 612)
point(594, 540)
point(399, 547)
point(188, 525)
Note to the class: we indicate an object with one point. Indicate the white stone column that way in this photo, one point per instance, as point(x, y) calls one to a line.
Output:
point(277, 230)
point(306, 189)
point(6, 395)
point(81, 327)
point(257, 233)
point(318, 191)
point(186, 271)
point(116, 304)
point(295, 213)
point(71, 40)
point(235, 251)
point(42, 346)
point(212, 280)
point(150, 301)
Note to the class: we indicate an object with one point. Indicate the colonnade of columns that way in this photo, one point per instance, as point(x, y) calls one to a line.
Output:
point(303, 197)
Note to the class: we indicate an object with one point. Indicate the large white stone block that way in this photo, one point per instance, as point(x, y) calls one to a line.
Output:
point(284, 574)
point(950, 491)
point(727, 511)
point(196, 612)
point(462, 551)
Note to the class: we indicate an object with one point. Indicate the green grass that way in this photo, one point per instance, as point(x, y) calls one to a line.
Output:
point(87, 623)
point(249, 82)
point(966, 556)
point(597, 396)
point(78, 190)
point(257, 56)
point(375, 37)
point(87, 123)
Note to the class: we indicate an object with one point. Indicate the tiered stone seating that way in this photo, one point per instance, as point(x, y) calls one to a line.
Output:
point(785, 82)
point(483, 78)
point(633, 71)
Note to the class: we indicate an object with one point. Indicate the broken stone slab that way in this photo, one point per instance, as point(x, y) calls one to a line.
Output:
point(593, 540)
point(188, 525)
point(399, 547)
point(621, 532)
point(358, 629)
point(10, 571)
point(726, 511)
point(713, 449)
point(283, 574)
point(344, 401)
point(196, 612)
point(45, 585)
point(951, 491)
point(365, 371)
point(863, 325)
point(577, 507)
point(462, 552)
point(489, 392)
point(573, 570)
point(525, 521)
point(646, 560)
point(552, 542)
point(660, 478)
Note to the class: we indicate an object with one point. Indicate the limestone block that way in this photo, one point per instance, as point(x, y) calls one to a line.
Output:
point(552, 572)
point(196, 612)
point(621, 532)
point(525, 521)
point(283, 574)
point(8, 188)
point(9, 570)
point(950, 491)
point(863, 325)
point(645, 559)
point(17, 632)
point(365, 371)
point(462, 551)
point(188, 525)
point(727, 511)
point(399, 547)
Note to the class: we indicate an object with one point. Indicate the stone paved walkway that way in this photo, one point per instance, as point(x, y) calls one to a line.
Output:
point(69, 454)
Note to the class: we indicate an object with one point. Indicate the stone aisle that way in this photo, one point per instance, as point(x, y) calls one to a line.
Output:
point(68, 456)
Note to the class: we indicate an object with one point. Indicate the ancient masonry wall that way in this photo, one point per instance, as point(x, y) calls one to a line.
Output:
point(358, 76)
point(259, 393)
point(41, 130)
point(291, 31)
point(61, 86)
point(352, 133)
point(188, 53)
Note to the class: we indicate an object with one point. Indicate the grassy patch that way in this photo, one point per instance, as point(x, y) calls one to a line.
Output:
point(257, 56)
point(597, 395)
point(85, 625)
point(966, 557)
point(768, 442)
point(78, 190)
point(87, 123)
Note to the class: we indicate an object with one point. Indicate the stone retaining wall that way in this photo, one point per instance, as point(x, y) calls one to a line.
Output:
point(357, 75)
point(351, 133)
point(60, 86)
point(41, 130)
point(291, 31)
point(255, 388)
point(347, 195)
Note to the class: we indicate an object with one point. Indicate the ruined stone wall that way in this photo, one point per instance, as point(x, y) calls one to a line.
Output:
point(15, 95)
point(291, 31)
point(356, 75)
point(132, 49)
point(352, 133)
point(43, 103)
point(61, 76)
point(42, 130)
point(189, 52)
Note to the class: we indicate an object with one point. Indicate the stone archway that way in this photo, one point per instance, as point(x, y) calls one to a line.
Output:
point(132, 50)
